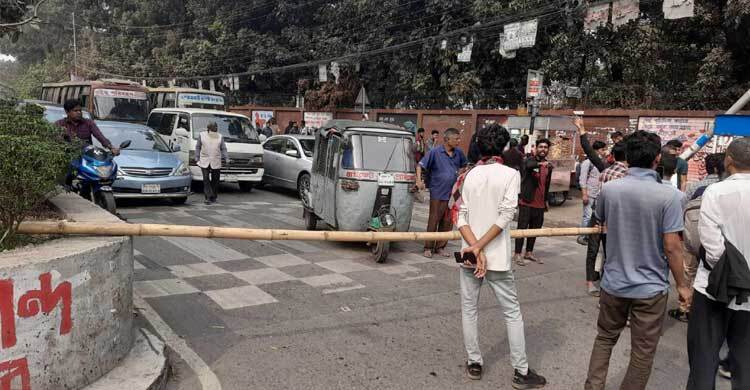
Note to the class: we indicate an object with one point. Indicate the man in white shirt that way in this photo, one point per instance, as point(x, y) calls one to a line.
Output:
point(487, 196)
point(724, 219)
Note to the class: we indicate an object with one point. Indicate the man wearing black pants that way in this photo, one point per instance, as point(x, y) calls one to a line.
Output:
point(721, 305)
point(537, 175)
point(211, 150)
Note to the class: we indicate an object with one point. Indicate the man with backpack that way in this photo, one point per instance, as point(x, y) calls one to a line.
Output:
point(589, 182)
point(694, 193)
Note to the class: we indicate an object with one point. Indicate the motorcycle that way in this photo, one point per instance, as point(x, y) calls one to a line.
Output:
point(92, 175)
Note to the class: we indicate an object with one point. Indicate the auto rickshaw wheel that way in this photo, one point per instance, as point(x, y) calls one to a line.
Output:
point(311, 221)
point(380, 250)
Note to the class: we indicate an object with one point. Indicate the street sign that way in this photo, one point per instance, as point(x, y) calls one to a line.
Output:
point(520, 34)
point(732, 125)
point(534, 82)
point(362, 99)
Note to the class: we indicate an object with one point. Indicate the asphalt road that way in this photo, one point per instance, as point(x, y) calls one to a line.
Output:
point(312, 315)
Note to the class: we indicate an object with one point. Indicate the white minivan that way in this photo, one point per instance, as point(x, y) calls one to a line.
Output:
point(181, 126)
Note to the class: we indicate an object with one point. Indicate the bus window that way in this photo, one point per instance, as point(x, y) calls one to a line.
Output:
point(118, 104)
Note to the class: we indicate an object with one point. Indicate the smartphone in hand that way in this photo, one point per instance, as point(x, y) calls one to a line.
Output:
point(467, 256)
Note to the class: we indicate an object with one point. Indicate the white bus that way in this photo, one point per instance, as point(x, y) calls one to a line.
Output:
point(172, 97)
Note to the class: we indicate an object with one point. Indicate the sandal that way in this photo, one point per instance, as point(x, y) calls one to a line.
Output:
point(442, 252)
point(533, 258)
point(679, 315)
point(428, 253)
point(519, 260)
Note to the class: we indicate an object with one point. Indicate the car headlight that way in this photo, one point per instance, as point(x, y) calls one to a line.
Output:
point(182, 170)
point(120, 172)
point(104, 170)
point(256, 160)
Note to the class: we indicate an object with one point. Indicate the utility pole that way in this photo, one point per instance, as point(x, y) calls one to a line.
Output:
point(75, 47)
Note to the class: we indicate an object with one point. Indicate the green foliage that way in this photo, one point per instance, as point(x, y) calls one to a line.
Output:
point(33, 157)
point(693, 63)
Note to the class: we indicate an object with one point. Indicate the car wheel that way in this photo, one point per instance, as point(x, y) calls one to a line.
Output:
point(303, 189)
point(246, 186)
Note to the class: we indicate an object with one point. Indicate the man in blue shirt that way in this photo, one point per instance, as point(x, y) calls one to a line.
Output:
point(443, 163)
point(644, 218)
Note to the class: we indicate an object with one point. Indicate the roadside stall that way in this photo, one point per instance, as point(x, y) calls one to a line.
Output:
point(562, 132)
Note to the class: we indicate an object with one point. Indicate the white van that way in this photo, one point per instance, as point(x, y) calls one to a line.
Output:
point(181, 126)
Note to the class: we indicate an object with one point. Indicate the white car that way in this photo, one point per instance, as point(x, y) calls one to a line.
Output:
point(287, 161)
point(181, 126)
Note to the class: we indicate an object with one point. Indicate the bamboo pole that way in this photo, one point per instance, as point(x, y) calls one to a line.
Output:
point(127, 229)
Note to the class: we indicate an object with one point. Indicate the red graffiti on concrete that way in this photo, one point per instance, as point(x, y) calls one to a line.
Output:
point(12, 369)
point(31, 304)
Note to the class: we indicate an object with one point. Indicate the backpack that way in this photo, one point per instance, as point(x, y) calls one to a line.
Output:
point(690, 235)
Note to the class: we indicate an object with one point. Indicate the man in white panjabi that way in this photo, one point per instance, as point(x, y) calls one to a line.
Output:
point(211, 150)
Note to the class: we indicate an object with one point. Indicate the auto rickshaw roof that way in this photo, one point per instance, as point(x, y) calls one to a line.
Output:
point(343, 125)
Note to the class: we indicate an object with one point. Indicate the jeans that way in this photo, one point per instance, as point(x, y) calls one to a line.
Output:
point(588, 210)
point(211, 183)
point(528, 218)
point(646, 321)
point(504, 286)
point(710, 324)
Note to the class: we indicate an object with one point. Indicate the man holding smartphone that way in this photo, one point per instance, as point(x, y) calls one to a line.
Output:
point(485, 200)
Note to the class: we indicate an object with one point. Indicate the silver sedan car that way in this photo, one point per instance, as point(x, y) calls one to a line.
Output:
point(287, 160)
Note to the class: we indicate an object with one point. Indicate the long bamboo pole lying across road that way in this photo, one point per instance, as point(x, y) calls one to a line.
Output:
point(127, 229)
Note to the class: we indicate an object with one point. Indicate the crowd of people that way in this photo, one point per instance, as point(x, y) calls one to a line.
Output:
point(638, 192)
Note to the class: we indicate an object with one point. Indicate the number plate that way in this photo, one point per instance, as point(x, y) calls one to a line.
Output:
point(386, 179)
point(229, 178)
point(151, 189)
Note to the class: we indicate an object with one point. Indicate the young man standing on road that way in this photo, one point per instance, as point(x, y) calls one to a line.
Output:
point(420, 145)
point(721, 309)
point(643, 219)
point(211, 150)
point(680, 180)
point(512, 157)
point(432, 143)
point(443, 163)
point(589, 182)
point(537, 177)
point(486, 198)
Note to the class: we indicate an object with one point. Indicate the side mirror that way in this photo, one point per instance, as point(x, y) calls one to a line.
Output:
point(124, 144)
point(292, 153)
point(176, 148)
point(181, 132)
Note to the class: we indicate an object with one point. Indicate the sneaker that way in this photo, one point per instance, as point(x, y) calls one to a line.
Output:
point(724, 371)
point(582, 240)
point(593, 290)
point(474, 371)
point(531, 380)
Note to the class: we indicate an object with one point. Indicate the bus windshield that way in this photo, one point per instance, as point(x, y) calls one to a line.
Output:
point(233, 128)
point(120, 105)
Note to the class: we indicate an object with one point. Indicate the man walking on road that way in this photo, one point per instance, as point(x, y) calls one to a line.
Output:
point(643, 219)
point(211, 150)
point(443, 163)
point(485, 198)
point(537, 176)
point(721, 309)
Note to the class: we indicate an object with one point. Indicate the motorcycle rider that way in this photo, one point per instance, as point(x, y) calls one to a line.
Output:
point(76, 125)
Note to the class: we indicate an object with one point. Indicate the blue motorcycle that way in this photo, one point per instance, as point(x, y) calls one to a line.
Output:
point(92, 176)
